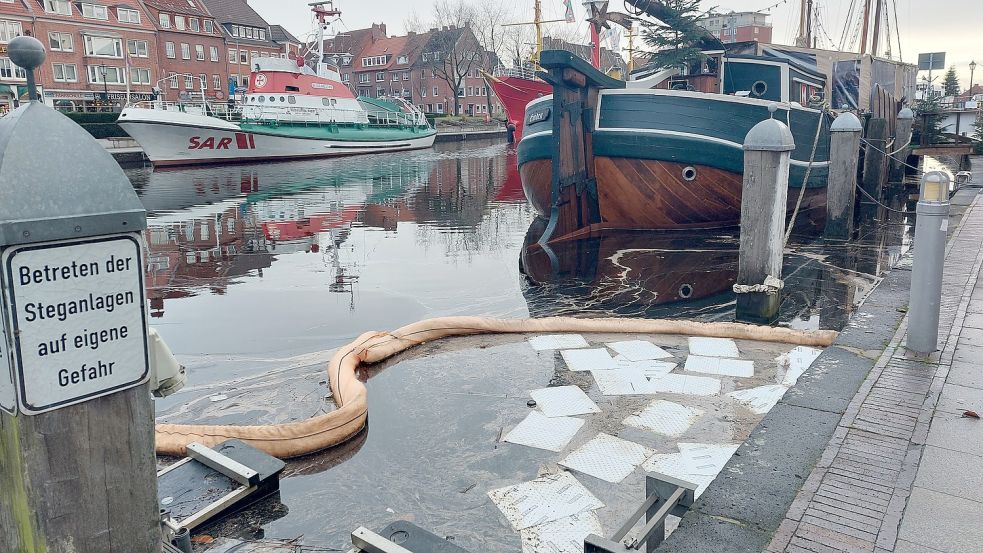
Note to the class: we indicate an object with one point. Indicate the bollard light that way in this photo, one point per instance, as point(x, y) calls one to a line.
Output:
point(935, 188)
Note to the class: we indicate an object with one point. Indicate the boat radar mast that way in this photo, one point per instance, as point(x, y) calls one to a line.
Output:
point(326, 15)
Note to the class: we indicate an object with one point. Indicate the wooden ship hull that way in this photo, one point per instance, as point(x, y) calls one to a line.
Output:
point(653, 158)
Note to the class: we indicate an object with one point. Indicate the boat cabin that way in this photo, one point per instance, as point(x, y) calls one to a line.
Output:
point(282, 89)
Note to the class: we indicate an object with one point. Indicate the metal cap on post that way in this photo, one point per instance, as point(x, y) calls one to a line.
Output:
point(902, 141)
point(931, 227)
point(77, 464)
point(767, 149)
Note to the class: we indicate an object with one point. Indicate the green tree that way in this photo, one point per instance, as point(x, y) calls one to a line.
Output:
point(677, 37)
point(978, 132)
point(951, 82)
point(928, 121)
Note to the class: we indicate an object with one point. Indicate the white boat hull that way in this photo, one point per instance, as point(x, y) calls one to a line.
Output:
point(178, 138)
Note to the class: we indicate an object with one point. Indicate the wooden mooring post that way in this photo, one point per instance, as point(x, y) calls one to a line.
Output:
point(841, 193)
point(77, 464)
point(875, 158)
point(767, 149)
point(902, 144)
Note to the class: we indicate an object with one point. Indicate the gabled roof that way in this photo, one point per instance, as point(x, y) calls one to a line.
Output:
point(193, 7)
point(238, 12)
point(391, 46)
point(281, 35)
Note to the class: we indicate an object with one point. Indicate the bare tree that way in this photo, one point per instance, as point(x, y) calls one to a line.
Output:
point(452, 55)
point(414, 23)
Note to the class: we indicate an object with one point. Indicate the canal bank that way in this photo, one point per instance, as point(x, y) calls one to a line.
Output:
point(838, 464)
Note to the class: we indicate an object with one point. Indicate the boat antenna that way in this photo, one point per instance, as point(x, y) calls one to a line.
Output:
point(324, 11)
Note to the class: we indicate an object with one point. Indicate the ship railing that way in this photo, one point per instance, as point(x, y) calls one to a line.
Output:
point(318, 116)
point(219, 110)
point(527, 73)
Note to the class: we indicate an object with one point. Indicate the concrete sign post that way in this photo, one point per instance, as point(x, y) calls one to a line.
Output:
point(77, 464)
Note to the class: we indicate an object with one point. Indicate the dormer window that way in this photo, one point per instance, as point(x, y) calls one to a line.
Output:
point(402, 60)
point(125, 15)
point(95, 11)
point(61, 7)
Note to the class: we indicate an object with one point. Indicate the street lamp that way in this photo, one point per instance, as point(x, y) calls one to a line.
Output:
point(972, 68)
point(105, 87)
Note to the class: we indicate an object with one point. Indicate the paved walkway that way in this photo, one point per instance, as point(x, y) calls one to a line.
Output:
point(904, 469)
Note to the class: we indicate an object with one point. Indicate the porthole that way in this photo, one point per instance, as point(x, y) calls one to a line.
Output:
point(759, 88)
point(261, 99)
point(689, 173)
point(686, 291)
point(282, 99)
point(325, 101)
point(273, 98)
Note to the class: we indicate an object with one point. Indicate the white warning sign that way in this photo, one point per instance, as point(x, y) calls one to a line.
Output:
point(76, 312)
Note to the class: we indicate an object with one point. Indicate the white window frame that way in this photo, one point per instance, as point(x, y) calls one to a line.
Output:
point(139, 71)
point(179, 23)
point(9, 30)
point(435, 92)
point(233, 55)
point(131, 15)
point(172, 80)
point(60, 7)
point(199, 52)
point(243, 57)
point(217, 82)
point(96, 11)
point(213, 53)
point(193, 24)
point(169, 50)
point(203, 81)
point(208, 26)
point(95, 74)
point(90, 51)
point(10, 71)
point(189, 82)
point(134, 52)
point(165, 21)
point(64, 67)
point(185, 51)
point(59, 37)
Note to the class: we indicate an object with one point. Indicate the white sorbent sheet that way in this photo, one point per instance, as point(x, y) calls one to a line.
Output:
point(607, 457)
point(696, 463)
point(622, 382)
point(562, 401)
point(545, 499)
point(713, 347)
point(565, 535)
point(651, 368)
point(557, 341)
point(760, 400)
point(664, 417)
point(588, 359)
point(796, 362)
point(719, 366)
point(685, 384)
point(639, 350)
point(538, 430)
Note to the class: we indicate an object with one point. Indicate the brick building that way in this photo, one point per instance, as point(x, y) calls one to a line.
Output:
point(247, 35)
point(290, 45)
point(16, 19)
point(191, 49)
point(738, 26)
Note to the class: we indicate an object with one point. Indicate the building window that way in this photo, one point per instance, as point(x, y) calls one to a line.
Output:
point(363, 78)
point(61, 7)
point(346, 78)
point(203, 81)
point(10, 71)
point(347, 60)
point(235, 30)
point(253, 55)
point(165, 21)
point(247, 32)
point(406, 75)
point(243, 56)
point(435, 93)
point(99, 74)
point(440, 108)
point(395, 76)
point(217, 82)
point(199, 52)
point(193, 24)
point(423, 93)
point(137, 48)
point(95, 11)
point(179, 22)
point(185, 51)
point(172, 80)
point(10, 29)
point(213, 53)
point(380, 76)
point(460, 92)
point(139, 75)
point(402, 60)
point(245, 81)
point(233, 55)
point(103, 47)
point(125, 15)
point(189, 82)
point(169, 49)
point(61, 42)
point(207, 25)
point(65, 72)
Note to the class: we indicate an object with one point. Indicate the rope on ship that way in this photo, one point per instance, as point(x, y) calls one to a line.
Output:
point(324, 431)
point(805, 180)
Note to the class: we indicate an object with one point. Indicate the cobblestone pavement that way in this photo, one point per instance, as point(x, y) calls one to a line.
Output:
point(904, 469)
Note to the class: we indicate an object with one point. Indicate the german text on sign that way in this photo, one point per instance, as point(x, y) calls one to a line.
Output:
point(77, 312)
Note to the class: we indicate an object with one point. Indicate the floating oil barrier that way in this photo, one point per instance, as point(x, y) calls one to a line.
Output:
point(328, 430)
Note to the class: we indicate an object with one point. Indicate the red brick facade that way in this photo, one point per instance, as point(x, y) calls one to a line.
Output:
point(191, 49)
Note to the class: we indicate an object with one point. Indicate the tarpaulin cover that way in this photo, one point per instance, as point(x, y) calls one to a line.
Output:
point(846, 84)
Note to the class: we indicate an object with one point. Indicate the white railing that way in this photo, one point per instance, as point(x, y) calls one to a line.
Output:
point(527, 73)
point(294, 114)
point(193, 107)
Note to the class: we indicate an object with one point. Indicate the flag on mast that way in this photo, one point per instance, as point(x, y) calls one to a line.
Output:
point(569, 15)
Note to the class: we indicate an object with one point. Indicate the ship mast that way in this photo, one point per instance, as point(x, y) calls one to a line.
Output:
point(538, 23)
point(631, 49)
point(323, 11)
point(805, 25)
point(875, 41)
point(866, 26)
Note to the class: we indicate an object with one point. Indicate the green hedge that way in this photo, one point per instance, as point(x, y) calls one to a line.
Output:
point(99, 125)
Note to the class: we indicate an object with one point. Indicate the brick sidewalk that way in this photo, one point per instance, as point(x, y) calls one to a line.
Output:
point(860, 493)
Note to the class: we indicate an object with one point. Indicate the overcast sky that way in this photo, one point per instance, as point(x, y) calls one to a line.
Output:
point(951, 26)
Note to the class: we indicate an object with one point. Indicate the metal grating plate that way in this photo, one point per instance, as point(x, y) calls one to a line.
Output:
point(565, 535)
point(713, 347)
point(607, 457)
point(760, 400)
point(685, 384)
point(562, 401)
point(639, 350)
point(622, 382)
point(545, 499)
point(538, 430)
point(721, 366)
point(588, 359)
point(557, 341)
point(664, 417)
point(796, 362)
